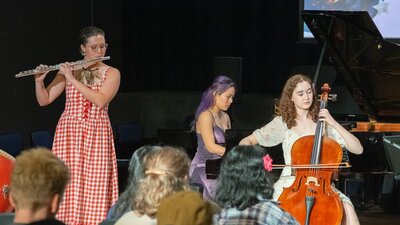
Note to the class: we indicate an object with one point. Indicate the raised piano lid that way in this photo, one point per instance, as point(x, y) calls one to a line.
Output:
point(369, 64)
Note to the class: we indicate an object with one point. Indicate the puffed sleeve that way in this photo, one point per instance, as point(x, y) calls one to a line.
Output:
point(271, 134)
point(332, 133)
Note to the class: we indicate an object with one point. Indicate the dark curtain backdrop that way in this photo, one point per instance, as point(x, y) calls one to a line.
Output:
point(158, 44)
point(170, 44)
point(45, 32)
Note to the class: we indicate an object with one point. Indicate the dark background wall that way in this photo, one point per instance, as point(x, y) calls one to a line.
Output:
point(160, 46)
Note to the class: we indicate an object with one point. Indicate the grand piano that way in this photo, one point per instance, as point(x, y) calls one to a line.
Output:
point(370, 67)
point(369, 63)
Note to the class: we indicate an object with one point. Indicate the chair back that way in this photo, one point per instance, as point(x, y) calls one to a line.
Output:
point(129, 137)
point(11, 143)
point(129, 132)
point(41, 138)
point(7, 218)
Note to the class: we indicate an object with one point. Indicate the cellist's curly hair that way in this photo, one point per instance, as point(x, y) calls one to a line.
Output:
point(286, 106)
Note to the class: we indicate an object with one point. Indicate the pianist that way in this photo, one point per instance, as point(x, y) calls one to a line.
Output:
point(298, 111)
point(210, 124)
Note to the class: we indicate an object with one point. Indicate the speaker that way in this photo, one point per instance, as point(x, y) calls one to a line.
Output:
point(232, 68)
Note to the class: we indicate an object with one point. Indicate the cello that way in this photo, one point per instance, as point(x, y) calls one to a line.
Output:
point(310, 199)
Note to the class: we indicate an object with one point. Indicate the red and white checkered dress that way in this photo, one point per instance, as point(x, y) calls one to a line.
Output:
point(84, 141)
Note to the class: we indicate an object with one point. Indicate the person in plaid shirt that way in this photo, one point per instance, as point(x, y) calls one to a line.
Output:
point(245, 189)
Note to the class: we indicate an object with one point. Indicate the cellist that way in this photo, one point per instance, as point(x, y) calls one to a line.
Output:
point(297, 117)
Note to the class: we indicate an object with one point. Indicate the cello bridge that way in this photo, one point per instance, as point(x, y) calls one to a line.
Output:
point(313, 180)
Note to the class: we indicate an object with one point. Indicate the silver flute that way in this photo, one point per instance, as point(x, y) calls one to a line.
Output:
point(76, 66)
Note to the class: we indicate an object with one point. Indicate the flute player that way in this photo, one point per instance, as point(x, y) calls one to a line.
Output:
point(83, 137)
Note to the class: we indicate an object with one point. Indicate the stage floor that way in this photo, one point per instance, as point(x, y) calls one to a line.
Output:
point(377, 216)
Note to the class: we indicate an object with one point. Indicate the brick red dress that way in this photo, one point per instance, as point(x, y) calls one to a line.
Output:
point(84, 141)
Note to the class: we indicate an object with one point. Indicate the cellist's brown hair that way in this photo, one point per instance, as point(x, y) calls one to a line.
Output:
point(286, 106)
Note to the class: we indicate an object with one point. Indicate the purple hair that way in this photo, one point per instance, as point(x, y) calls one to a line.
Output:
point(219, 86)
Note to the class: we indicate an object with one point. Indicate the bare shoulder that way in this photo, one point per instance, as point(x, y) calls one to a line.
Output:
point(205, 121)
point(113, 71)
point(113, 75)
point(205, 115)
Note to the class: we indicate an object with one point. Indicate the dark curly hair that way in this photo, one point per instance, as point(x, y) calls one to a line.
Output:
point(286, 107)
point(243, 181)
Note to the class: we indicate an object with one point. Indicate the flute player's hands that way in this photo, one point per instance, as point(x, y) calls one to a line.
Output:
point(67, 71)
point(39, 77)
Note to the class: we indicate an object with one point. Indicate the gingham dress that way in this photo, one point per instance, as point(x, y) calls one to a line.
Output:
point(84, 141)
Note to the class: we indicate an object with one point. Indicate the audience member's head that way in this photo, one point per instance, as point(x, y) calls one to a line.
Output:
point(38, 182)
point(243, 180)
point(184, 208)
point(165, 172)
point(135, 173)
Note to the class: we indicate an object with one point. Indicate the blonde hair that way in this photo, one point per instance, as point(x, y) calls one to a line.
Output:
point(37, 176)
point(165, 172)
